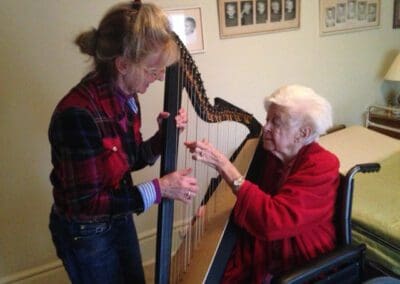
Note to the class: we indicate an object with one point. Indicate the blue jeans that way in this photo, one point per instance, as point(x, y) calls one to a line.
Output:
point(105, 252)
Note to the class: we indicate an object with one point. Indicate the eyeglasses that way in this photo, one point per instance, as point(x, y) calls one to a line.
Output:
point(154, 72)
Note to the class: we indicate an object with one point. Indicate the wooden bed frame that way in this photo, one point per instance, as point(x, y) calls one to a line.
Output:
point(383, 119)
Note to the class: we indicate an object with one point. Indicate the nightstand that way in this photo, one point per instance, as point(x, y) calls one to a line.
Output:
point(385, 120)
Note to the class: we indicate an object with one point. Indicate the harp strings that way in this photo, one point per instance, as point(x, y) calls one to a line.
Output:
point(191, 220)
point(194, 216)
point(209, 122)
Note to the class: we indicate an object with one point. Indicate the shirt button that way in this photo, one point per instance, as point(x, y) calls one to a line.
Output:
point(114, 148)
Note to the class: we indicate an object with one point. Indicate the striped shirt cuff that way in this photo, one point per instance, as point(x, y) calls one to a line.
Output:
point(150, 192)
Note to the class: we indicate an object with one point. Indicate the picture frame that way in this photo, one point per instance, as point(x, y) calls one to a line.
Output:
point(338, 16)
point(396, 14)
point(187, 23)
point(249, 17)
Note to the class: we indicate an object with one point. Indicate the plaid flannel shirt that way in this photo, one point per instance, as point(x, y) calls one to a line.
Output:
point(95, 143)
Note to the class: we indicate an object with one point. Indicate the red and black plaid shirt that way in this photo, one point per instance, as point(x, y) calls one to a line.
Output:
point(95, 143)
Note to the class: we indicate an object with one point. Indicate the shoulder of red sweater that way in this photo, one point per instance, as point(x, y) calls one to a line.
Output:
point(314, 153)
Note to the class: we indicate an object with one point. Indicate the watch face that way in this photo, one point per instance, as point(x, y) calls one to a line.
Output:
point(238, 182)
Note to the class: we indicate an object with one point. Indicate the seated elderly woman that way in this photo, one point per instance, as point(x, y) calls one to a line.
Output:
point(286, 215)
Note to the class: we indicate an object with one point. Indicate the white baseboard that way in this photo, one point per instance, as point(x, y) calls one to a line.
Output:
point(52, 272)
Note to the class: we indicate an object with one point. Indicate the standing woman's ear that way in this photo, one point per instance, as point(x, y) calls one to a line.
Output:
point(122, 65)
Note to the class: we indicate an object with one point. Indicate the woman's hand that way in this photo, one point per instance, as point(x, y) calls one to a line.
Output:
point(179, 185)
point(180, 119)
point(205, 152)
point(161, 116)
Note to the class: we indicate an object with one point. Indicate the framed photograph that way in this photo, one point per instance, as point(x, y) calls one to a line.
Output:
point(396, 14)
point(188, 25)
point(336, 16)
point(247, 17)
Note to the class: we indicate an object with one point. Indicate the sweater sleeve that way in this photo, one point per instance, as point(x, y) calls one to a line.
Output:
point(147, 152)
point(305, 199)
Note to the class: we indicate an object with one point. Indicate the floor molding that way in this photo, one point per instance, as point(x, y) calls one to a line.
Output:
point(32, 272)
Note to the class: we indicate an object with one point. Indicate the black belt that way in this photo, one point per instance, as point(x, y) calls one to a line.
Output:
point(90, 218)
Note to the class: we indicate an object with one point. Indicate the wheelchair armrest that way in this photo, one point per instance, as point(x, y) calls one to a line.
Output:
point(338, 258)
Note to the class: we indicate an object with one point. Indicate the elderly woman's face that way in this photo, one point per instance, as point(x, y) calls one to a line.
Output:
point(281, 134)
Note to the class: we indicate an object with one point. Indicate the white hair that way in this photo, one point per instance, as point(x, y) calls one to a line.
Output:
point(303, 104)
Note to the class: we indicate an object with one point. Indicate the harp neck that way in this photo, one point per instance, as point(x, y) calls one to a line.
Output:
point(221, 110)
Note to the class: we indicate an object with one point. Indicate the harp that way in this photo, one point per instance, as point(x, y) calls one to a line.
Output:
point(180, 77)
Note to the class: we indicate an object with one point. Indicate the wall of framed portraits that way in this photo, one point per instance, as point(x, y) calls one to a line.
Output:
point(37, 68)
point(338, 16)
point(241, 18)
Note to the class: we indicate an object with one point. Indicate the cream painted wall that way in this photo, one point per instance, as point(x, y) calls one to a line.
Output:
point(39, 63)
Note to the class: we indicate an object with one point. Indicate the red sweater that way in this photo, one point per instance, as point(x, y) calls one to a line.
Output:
point(286, 216)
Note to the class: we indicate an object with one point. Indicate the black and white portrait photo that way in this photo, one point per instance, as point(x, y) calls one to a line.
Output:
point(362, 10)
point(276, 10)
point(246, 13)
point(231, 14)
point(290, 10)
point(261, 11)
point(372, 12)
point(330, 18)
point(351, 9)
point(341, 13)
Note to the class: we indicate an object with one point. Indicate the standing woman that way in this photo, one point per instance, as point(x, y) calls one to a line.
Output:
point(96, 142)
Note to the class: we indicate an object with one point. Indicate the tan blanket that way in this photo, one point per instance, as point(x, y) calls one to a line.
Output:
point(357, 144)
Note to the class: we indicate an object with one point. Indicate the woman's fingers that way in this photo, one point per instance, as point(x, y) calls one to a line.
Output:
point(205, 152)
point(161, 116)
point(181, 119)
point(179, 185)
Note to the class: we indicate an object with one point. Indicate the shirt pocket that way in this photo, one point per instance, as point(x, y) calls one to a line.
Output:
point(115, 161)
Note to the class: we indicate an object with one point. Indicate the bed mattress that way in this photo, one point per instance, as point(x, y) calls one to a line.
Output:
point(376, 200)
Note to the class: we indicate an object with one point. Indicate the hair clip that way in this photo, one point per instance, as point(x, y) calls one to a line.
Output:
point(136, 5)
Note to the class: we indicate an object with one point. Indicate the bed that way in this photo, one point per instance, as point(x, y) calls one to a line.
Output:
point(376, 201)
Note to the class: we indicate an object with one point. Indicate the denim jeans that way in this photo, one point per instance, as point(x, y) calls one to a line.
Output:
point(98, 252)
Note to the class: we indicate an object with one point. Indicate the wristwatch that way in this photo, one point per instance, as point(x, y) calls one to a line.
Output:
point(237, 183)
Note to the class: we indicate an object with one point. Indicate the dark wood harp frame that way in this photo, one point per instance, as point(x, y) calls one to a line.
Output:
point(184, 74)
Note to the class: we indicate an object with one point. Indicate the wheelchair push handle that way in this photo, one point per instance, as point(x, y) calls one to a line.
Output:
point(369, 167)
point(363, 168)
